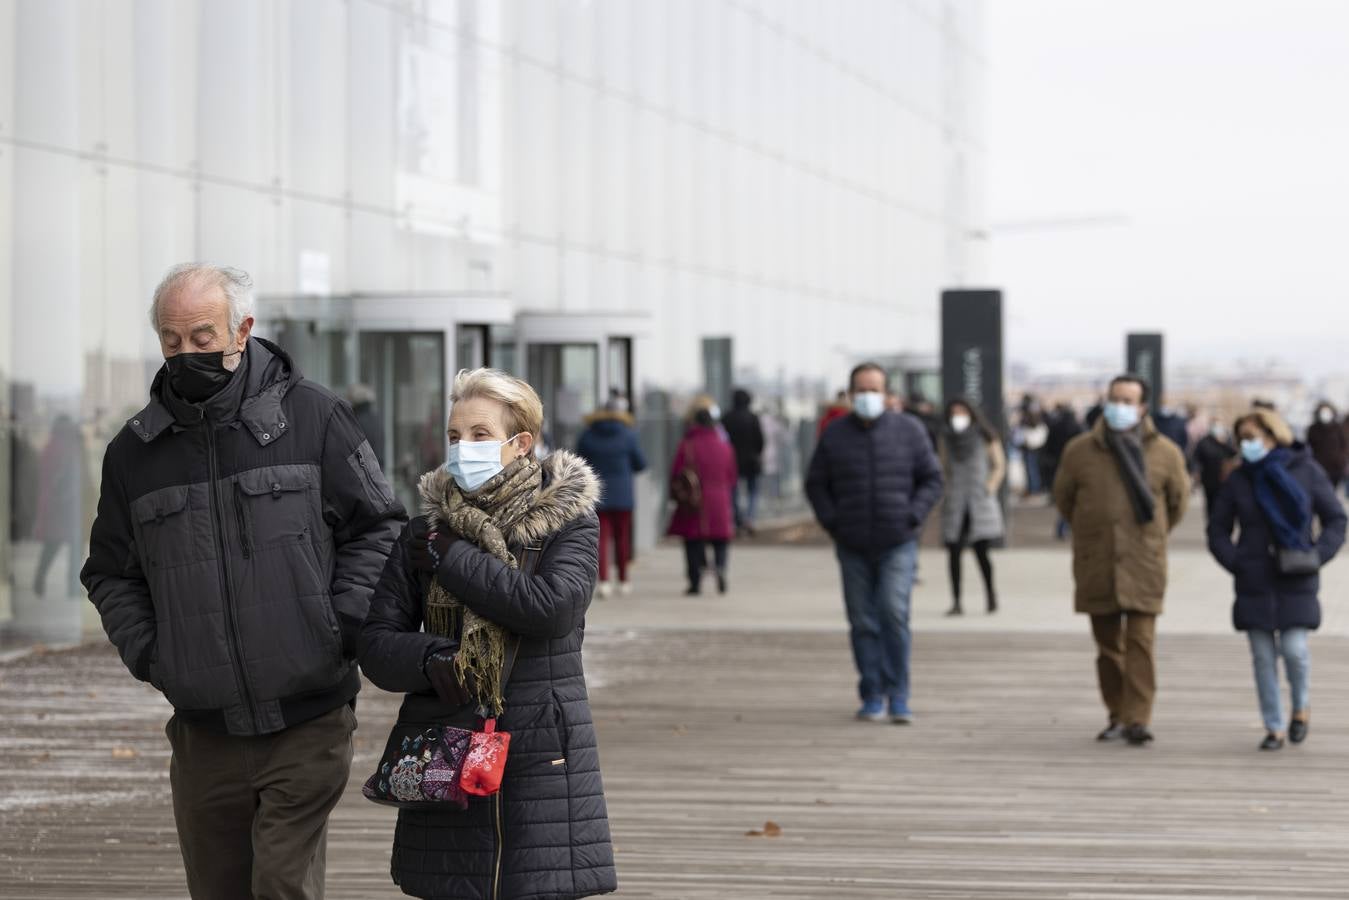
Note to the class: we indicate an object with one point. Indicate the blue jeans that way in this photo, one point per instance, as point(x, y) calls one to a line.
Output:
point(877, 587)
point(1266, 647)
point(747, 512)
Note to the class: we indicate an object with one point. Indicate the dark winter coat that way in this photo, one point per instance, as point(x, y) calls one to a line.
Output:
point(237, 544)
point(1211, 456)
point(1330, 447)
point(545, 836)
point(611, 446)
point(1265, 599)
point(714, 460)
point(872, 484)
point(746, 434)
point(1119, 564)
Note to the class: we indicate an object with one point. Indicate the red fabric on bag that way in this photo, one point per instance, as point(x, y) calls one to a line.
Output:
point(486, 763)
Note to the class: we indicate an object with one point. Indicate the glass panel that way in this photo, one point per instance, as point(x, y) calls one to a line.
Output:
point(320, 354)
point(620, 367)
point(567, 379)
point(717, 371)
point(406, 370)
point(503, 349)
point(470, 347)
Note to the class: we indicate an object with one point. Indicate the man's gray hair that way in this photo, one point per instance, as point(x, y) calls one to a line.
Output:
point(236, 284)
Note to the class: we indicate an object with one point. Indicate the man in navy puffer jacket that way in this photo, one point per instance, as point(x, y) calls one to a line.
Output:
point(872, 482)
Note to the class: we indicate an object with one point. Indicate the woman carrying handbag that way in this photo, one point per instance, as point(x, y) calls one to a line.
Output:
point(478, 618)
point(703, 476)
point(1273, 498)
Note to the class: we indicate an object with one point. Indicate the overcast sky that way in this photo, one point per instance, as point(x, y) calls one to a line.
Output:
point(1219, 129)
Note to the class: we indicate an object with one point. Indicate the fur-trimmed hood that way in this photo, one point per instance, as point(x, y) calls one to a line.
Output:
point(570, 491)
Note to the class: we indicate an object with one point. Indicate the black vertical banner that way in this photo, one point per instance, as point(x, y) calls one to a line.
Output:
point(1143, 356)
point(971, 351)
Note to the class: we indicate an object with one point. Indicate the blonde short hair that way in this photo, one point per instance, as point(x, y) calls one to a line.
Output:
point(524, 409)
point(1268, 421)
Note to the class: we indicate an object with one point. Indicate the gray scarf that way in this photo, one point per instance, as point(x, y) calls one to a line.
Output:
point(1127, 447)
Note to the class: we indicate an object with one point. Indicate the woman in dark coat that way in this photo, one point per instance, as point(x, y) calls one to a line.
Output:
point(501, 564)
point(1328, 443)
point(707, 453)
point(1274, 497)
point(611, 446)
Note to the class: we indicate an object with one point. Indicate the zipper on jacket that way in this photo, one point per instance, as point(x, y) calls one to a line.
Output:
point(496, 872)
point(235, 644)
point(370, 482)
point(245, 531)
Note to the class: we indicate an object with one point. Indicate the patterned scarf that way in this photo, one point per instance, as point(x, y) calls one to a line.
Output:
point(482, 518)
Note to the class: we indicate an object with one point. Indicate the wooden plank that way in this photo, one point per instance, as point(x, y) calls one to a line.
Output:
point(998, 790)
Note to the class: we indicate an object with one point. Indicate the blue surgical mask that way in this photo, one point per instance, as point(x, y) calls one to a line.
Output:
point(474, 463)
point(1253, 450)
point(868, 404)
point(1121, 416)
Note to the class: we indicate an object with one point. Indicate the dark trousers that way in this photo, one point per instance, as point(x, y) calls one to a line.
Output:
point(252, 812)
point(1124, 665)
point(615, 533)
point(981, 548)
point(695, 557)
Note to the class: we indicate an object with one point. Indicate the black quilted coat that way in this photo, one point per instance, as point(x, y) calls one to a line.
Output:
point(545, 836)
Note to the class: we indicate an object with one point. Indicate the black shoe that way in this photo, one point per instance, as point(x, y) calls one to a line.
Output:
point(955, 611)
point(1113, 732)
point(721, 582)
point(1271, 742)
point(992, 605)
point(1138, 735)
point(1297, 730)
point(692, 591)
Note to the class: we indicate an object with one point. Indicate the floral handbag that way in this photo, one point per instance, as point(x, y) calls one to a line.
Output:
point(433, 761)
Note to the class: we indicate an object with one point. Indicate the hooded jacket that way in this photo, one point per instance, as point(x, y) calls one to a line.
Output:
point(610, 445)
point(237, 544)
point(545, 835)
point(1119, 565)
point(1265, 599)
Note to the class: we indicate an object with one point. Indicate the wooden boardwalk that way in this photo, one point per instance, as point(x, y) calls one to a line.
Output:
point(999, 790)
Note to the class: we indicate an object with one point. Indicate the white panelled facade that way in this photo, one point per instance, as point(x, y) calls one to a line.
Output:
point(580, 190)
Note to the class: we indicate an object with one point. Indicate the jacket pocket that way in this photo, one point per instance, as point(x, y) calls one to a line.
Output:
point(272, 508)
point(163, 527)
point(560, 723)
point(365, 466)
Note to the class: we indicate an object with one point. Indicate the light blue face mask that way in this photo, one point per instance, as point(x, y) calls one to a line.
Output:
point(1253, 450)
point(868, 404)
point(1121, 416)
point(474, 463)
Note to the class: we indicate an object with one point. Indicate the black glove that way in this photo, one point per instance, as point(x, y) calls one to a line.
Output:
point(426, 548)
point(439, 668)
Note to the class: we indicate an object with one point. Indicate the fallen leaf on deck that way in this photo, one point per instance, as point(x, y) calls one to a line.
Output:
point(770, 829)
point(124, 753)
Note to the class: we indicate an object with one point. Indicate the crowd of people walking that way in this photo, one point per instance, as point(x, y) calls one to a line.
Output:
point(248, 553)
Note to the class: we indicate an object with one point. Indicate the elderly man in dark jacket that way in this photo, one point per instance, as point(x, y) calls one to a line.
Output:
point(242, 526)
point(873, 480)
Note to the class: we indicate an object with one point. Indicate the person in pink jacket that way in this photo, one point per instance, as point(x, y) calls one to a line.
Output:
point(702, 487)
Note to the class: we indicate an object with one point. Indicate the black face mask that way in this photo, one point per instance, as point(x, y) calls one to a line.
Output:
point(199, 376)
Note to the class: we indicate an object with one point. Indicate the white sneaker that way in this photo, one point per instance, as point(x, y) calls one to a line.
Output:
point(625, 589)
point(605, 590)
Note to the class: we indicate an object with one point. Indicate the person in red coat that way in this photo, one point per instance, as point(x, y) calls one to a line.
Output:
point(705, 453)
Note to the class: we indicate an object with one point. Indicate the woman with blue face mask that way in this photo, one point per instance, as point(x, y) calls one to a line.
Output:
point(1290, 524)
point(479, 614)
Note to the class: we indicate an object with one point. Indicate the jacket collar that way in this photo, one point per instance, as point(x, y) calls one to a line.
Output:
point(1147, 431)
point(253, 398)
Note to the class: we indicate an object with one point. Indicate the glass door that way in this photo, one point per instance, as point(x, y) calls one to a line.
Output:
point(406, 370)
point(567, 377)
